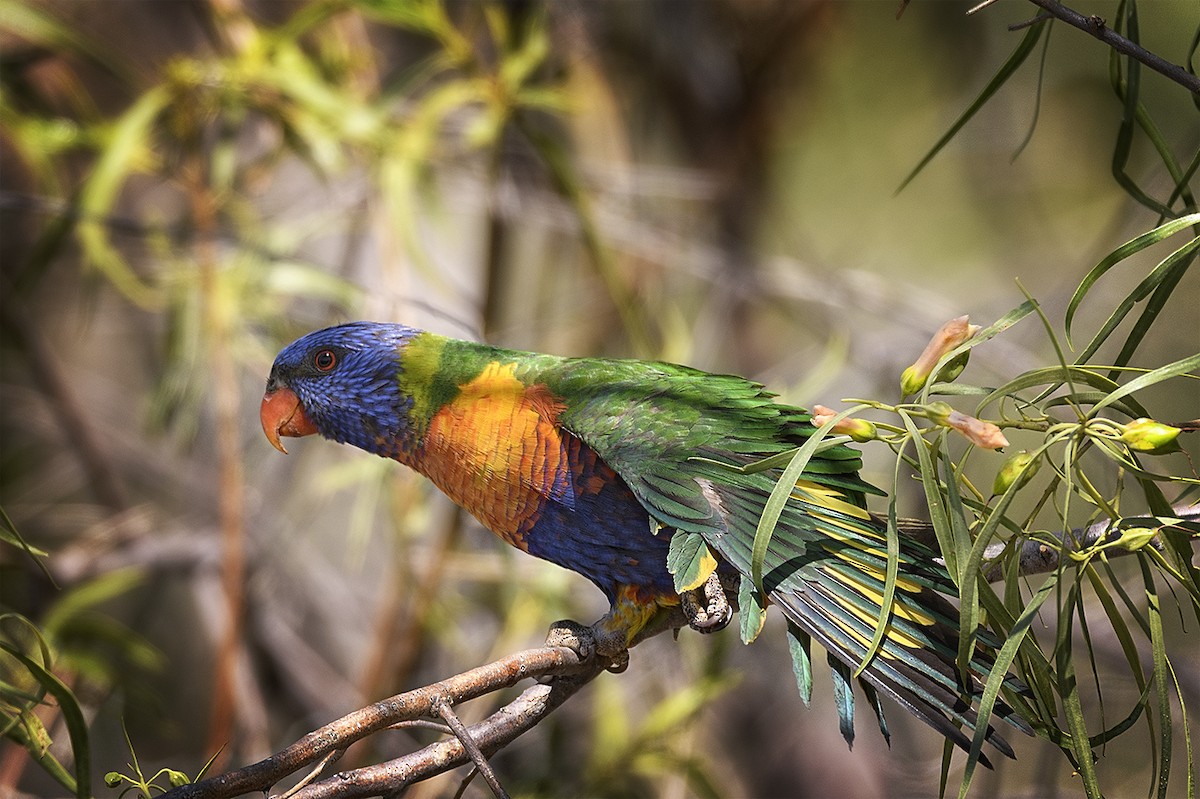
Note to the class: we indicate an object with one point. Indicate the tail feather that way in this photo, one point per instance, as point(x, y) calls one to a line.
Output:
point(825, 568)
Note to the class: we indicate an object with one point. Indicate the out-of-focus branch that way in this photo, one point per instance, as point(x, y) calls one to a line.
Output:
point(564, 674)
point(76, 423)
point(1098, 27)
point(1038, 556)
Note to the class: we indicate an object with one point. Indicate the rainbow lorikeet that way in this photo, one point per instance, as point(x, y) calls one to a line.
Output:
point(628, 472)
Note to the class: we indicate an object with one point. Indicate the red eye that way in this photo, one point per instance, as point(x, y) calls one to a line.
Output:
point(325, 360)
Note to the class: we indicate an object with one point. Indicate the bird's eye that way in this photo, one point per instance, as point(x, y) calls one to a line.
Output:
point(324, 360)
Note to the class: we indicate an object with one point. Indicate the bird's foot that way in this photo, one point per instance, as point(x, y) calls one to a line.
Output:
point(707, 608)
point(588, 642)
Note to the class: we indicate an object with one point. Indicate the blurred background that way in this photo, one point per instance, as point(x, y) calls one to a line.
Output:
point(187, 186)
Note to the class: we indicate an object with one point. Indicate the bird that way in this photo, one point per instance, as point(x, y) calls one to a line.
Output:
point(649, 479)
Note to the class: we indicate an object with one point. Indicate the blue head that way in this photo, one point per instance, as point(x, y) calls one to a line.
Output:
point(344, 383)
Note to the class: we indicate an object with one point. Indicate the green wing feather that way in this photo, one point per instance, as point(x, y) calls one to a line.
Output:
point(678, 436)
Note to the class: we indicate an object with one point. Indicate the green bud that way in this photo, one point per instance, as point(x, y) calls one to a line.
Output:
point(1147, 435)
point(939, 412)
point(1019, 469)
point(113, 778)
point(859, 430)
point(912, 381)
point(177, 778)
point(1134, 538)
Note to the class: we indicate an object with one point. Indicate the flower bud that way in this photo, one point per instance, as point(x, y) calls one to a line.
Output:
point(859, 430)
point(980, 433)
point(112, 779)
point(177, 778)
point(821, 415)
point(1147, 435)
point(911, 381)
point(1019, 469)
point(948, 336)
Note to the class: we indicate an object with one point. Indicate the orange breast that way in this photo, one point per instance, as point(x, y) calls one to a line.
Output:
point(497, 451)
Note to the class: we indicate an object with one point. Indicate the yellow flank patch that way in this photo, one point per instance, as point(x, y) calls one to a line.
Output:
point(632, 609)
point(862, 639)
point(830, 498)
point(708, 565)
point(855, 543)
point(898, 607)
point(497, 450)
point(892, 633)
point(870, 593)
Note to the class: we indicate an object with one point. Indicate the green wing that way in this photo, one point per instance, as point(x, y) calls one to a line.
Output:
point(677, 435)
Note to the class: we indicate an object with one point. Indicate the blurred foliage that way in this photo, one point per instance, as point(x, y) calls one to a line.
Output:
point(186, 187)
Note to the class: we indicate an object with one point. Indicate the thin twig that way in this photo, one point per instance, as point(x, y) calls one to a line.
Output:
point(1097, 27)
point(477, 757)
point(1029, 23)
point(313, 773)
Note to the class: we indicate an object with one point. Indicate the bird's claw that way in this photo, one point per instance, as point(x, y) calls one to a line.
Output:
point(588, 642)
point(707, 608)
point(574, 636)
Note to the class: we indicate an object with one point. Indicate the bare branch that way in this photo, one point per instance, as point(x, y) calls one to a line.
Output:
point(1098, 27)
point(562, 669)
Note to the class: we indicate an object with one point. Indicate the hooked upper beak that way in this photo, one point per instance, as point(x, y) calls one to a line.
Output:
point(283, 415)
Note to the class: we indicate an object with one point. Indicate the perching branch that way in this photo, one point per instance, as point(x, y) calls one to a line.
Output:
point(561, 668)
point(1098, 27)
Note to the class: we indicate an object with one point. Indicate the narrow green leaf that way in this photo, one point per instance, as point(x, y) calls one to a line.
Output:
point(1184, 365)
point(995, 680)
point(1168, 270)
point(780, 495)
point(1069, 691)
point(752, 611)
point(72, 715)
point(933, 497)
point(889, 580)
point(1162, 695)
point(1006, 71)
point(1127, 249)
point(1154, 305)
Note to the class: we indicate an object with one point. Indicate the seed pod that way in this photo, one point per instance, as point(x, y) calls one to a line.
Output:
point(1019, 469)
point(1134, 538)
point(1147, 435)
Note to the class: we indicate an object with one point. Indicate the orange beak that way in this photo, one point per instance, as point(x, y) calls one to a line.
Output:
point(282, 415)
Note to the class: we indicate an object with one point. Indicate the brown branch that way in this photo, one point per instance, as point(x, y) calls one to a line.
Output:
point(562, 669)
point(1037, 556)
point(1098, 27)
